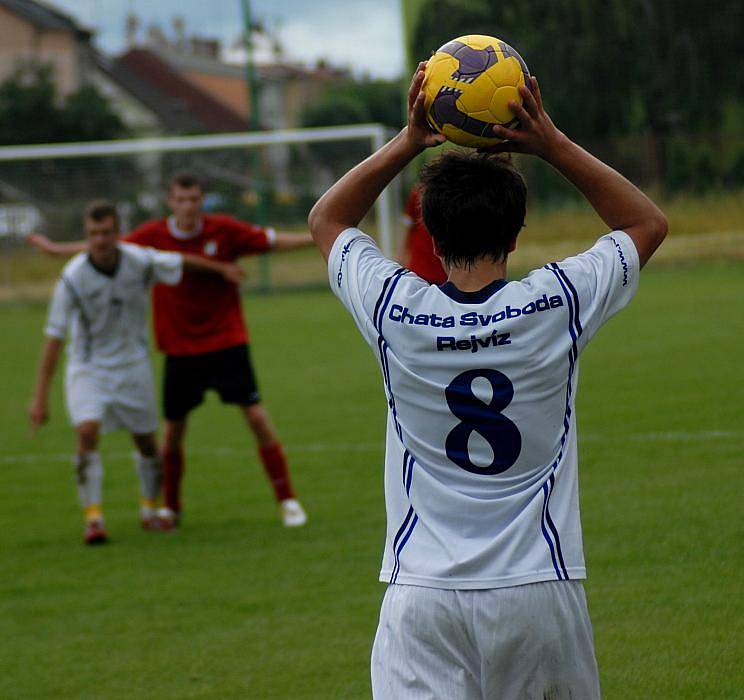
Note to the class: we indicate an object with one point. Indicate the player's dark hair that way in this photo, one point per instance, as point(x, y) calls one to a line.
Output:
point(473, 205)
point(100, 209)
point(185, 179)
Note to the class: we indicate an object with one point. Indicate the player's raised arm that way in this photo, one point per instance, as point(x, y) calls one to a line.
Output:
point(38, 410)
point(291, 241)
point(45, 245)
point(619, 203)
point(232, 272)
point(348, 201)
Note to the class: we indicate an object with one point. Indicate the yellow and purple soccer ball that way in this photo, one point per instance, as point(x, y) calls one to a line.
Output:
point(468, 85)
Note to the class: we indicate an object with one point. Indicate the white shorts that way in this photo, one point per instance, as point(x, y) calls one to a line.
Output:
point(531, 641)
point(122, 397)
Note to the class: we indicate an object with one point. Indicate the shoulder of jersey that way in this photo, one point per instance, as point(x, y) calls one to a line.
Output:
point(217, 219)
point(538, 277)
point(75, 264)
point(412, 280)
point(228, 223)
point(154, 227)
point(131, 250)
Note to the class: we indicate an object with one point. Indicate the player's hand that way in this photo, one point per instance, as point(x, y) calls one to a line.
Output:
point(38, 414)
point(232, 272)
point(40, 242)
point(418, 131)
point(536, 134)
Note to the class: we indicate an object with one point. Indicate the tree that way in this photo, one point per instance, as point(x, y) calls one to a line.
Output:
point(31, 113)
point(28, 113)
point(87, 116)
point(357, 102)
point(610, 67)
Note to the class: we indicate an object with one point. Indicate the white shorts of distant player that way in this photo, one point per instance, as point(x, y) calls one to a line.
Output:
point(530, 641)
point(121, 397)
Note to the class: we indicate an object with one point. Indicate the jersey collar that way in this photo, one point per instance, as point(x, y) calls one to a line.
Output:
point(183, 235)
point(477, 297)
point(110, 272)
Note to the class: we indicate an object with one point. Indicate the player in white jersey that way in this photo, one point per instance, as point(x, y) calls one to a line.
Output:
point(483, 551)
point(101, 301)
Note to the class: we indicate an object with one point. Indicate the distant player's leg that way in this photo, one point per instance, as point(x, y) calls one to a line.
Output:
point(184, 383)
point(132, 406)
point(174, 433)
point(271, 454)
point(86, 396)
point(231, 375)
point(89, 477)
point(149, 468)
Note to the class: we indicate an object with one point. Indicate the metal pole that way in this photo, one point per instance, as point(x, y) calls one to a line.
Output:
point(384, 205)
point(254, 124)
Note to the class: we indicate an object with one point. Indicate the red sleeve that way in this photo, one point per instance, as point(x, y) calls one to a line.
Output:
point(413, 205)
point(146, 235)
point(247, 238)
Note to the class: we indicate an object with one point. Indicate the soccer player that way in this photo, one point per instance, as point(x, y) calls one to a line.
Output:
point(483, 554)
point(417, 246)
point(199, 326)
point(101, 300)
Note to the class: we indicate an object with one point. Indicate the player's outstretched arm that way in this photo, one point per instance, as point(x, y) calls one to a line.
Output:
point(291, 241)
point(349, 200)
point(232, 272)
point(45, 245)
point(619, 203)
point(38, 410)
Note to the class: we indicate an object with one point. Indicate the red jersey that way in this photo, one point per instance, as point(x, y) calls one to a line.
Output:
point(420, 249)
point(202, 313)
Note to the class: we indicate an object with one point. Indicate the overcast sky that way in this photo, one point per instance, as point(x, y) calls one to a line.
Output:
point(365, 35)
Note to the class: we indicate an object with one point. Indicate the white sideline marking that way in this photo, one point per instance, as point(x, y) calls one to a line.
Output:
point(215, 451)
point(379, 446)
point(670, 436)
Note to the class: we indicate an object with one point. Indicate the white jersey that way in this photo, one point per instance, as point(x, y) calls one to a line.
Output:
point(481, 483)
point(106, 315)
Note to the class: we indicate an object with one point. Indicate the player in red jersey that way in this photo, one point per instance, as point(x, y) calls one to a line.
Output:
point(199, 326)
point(417, 246)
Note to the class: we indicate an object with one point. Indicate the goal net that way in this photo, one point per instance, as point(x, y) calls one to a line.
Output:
point(271, 178)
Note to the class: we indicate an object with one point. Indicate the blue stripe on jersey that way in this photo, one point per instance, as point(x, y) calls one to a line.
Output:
point(406, 456)
point(572, 319)
point(573, 308)
point(546, 535)
point(409, 523)
point(552, 527)
point(408, 461)
point(400, 538)
point(398, 535)
point(383, 348)
point(380, 308)
point(385, 285)
point(550, 532)
point(404, 533)
point(394, 278)
point(574, 294)
point(411, 462)
point(403, 544)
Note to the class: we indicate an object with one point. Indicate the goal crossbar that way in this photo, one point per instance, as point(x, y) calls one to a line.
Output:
point(78, 149)
point(375, 133)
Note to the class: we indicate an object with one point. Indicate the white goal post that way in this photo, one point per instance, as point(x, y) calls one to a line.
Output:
point(375, 134)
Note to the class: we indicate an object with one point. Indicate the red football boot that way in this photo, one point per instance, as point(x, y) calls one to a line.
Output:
point(94, 532)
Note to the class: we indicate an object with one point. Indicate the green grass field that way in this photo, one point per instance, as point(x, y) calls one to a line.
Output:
point(234, 606)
